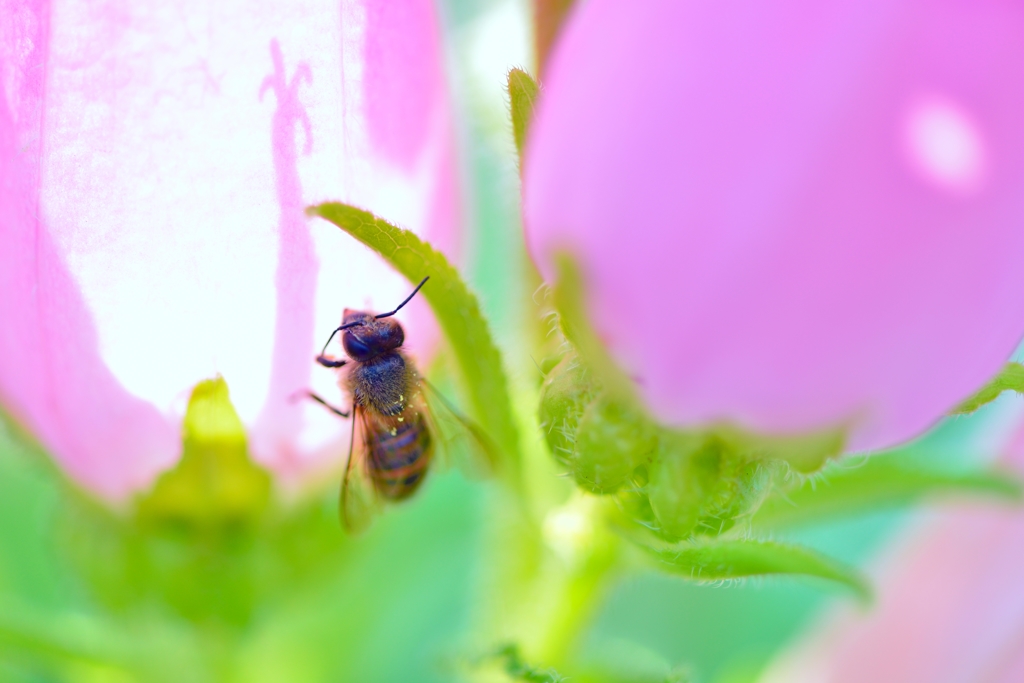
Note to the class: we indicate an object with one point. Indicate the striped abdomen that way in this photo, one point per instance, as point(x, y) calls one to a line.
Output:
point(397, 459)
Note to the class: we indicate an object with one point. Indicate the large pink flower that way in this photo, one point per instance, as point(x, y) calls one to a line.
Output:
point(950, 608)
point(790, 215)
point(155, 160)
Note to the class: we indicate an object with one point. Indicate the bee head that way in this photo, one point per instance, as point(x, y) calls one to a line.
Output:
point(369, 336)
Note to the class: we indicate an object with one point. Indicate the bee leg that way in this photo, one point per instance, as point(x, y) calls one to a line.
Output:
point(329, 362)
point(325, 404)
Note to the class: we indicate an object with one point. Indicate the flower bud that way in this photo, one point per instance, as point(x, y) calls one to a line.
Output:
point(597, 438)
point(700, 485)
point(790, 218)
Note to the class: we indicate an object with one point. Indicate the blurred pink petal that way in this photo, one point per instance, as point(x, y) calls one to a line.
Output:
point(950, 608)
point(155, 161)
point(791, 215)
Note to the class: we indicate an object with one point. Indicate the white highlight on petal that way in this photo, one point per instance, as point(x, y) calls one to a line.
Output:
point(945, 145)
point(159, 187)
point(160, 191)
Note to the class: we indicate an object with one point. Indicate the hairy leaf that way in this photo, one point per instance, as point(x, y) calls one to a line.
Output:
point(522, 93)
point(735, 559)
point(881, 481)
point(455, 307)
point(1010, 378)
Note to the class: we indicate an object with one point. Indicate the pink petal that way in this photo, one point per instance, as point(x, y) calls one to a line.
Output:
point(400, 84)
point(950, 608)
point(791, 215)
point(52, 377)
point(173, 148)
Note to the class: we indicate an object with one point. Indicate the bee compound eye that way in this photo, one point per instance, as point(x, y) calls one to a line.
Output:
point(355, 347)
point(394, 334)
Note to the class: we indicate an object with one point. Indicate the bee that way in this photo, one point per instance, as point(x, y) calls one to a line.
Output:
point(389, 407)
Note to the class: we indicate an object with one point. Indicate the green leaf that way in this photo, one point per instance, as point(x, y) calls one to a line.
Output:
point(522, 93)
point(455, 307)
point(881, 481)
point(1010, 378)
point(736, 559)
point(215, 483)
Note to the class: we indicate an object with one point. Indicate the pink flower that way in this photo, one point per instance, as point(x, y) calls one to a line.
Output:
point(155, 161)
point(792, 215)
point(949, 609)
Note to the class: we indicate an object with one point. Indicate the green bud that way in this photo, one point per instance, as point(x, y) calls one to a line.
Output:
point(194, 541)
point(564, 396)
point(598, 439)
point(215, 484)
point(700, 485)
point(684, 474)
point(611, 442)
point(806, 453)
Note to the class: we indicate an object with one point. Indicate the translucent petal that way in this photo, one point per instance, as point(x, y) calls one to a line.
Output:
point(156, 214)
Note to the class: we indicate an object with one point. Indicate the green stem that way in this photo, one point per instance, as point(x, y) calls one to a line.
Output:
point(581, 591)
point(552, 571)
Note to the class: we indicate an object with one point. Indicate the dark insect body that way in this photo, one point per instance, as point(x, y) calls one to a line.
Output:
point(387, 405)
point(399, 429)
point(385, 390)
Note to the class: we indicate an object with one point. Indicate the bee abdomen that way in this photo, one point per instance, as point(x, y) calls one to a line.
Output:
point(399, 459)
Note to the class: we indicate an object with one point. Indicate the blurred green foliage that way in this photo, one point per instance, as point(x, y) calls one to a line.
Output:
point(93, 594)
point(214, 488)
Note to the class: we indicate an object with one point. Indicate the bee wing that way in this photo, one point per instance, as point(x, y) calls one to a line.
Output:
point(460, 440)
point(359, 502)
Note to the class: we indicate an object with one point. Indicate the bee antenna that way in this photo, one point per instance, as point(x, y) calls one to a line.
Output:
point(407, 299)
point(343, 327)
point(382, 315)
